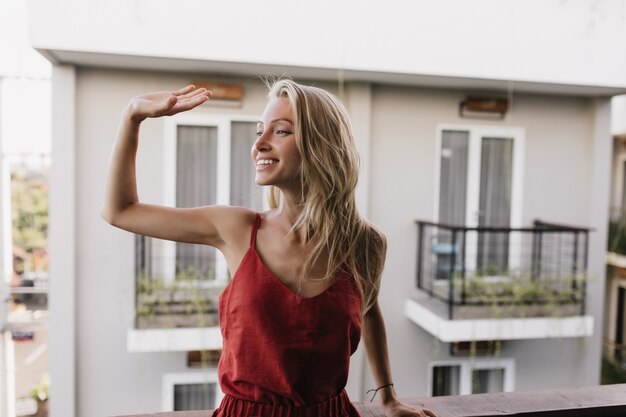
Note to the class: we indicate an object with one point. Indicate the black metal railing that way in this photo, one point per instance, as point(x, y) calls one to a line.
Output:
point(176, 285)
point(534, 271)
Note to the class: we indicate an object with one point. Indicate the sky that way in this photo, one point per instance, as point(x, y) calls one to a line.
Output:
point(25, 101)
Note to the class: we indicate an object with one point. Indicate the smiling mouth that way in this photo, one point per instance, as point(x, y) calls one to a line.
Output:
point(266, 162)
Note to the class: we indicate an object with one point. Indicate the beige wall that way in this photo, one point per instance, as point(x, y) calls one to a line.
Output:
point(556, 188)
point(400, 189)
point(111, 381)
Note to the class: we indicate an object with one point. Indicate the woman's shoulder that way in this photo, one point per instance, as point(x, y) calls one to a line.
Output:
point(232, 221)
point(373, 233)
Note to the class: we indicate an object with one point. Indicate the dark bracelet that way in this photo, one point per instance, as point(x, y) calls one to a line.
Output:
point(376, 390)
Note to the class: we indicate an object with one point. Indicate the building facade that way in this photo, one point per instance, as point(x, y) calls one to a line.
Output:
point(427, 155)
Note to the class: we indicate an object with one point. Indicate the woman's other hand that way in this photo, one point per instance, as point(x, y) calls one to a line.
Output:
point(399, 409)
point(165, 103)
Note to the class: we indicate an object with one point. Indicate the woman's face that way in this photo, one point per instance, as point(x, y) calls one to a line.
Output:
point(274, 153)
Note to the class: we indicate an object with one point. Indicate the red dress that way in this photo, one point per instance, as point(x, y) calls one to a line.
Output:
point(284, 355)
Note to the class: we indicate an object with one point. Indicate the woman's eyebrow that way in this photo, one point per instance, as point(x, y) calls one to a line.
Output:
point(282, 119)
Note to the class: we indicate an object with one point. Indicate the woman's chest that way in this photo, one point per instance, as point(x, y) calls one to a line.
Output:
point(258, 303)
point(286, 263)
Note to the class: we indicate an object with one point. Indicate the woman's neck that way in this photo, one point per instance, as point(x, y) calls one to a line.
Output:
point(289, 210)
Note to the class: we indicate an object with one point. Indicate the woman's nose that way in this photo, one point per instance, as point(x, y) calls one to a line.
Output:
point(262, 144)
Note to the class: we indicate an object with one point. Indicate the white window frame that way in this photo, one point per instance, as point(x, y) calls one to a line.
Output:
point(616, 284)
point(169, 381)
point(621, 159)
point(223, 124)
point(476, 132)
point(471, 364)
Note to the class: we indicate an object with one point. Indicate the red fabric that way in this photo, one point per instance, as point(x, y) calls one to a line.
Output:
point(282, 349)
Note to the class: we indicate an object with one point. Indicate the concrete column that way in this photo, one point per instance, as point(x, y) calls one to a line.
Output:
point(7, 379)
point(618, 119)
point(602, 147)
point(6, 247)
point(358, 101)
point(62, 244)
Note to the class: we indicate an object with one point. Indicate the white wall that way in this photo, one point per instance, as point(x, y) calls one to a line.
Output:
point(557, 187)
point(402, 133)
point(618, 119)
point(568, 42)
point(111, 381)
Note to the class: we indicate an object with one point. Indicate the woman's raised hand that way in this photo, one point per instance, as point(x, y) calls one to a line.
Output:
point(165, 103)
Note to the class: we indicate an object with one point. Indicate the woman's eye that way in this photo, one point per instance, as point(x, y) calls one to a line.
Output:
point(259, 133)
point(283, 132)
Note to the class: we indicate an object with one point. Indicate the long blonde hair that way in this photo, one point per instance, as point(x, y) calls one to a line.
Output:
point(329, 175)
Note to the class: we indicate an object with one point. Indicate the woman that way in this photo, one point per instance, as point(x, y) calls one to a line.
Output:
point(306, 273)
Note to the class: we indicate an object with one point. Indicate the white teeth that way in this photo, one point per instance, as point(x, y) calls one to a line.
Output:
point(266, 162)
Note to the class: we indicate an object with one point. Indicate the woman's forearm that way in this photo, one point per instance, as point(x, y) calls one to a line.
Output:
point(121, 187)
point(375, 339)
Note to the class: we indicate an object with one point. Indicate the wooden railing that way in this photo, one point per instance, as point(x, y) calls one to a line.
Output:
point(599, 401)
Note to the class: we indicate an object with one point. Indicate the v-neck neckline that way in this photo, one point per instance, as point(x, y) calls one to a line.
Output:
point(285, 286)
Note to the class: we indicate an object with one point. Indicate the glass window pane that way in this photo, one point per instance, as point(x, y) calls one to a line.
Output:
point(196, 185)
point(624, 184)
point(194, 397)
point(487, 380)
point(446, 380)
point(496, 175)
point(243, 189)
point(453, 177)
point(452, 197)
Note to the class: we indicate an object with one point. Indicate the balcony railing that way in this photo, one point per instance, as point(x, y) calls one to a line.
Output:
point(176, 285)
point(480, 272)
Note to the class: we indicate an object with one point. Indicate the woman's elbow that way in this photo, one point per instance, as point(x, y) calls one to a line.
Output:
point(108, 216)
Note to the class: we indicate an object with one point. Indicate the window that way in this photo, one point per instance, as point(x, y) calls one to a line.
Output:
point(472, 376)
point(446, 380)
point(194, 397)
point(207, 161)
point(620, 325)
point(487, 380)
point(479, 171)
point(191, 391)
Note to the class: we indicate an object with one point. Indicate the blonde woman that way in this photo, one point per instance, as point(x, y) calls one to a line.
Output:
point(306, 273)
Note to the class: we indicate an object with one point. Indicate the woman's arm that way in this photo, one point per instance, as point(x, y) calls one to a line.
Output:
point(122, 207)
point(375, 339)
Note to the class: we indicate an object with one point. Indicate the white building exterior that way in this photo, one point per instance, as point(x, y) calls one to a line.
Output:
point(615, 292)
point(402, 72)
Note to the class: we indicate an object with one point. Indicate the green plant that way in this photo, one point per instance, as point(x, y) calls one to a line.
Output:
point(41, 390)
point(172, 303)
point(512, 294)
point(612, 371)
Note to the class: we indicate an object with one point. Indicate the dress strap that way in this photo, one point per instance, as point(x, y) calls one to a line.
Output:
point(255, 227)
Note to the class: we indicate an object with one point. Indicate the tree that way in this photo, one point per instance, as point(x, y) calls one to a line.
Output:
point(29, 204)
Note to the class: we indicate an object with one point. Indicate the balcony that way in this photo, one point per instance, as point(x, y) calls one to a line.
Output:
point(599, 401)
point(495, 283)
point(177, 287)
